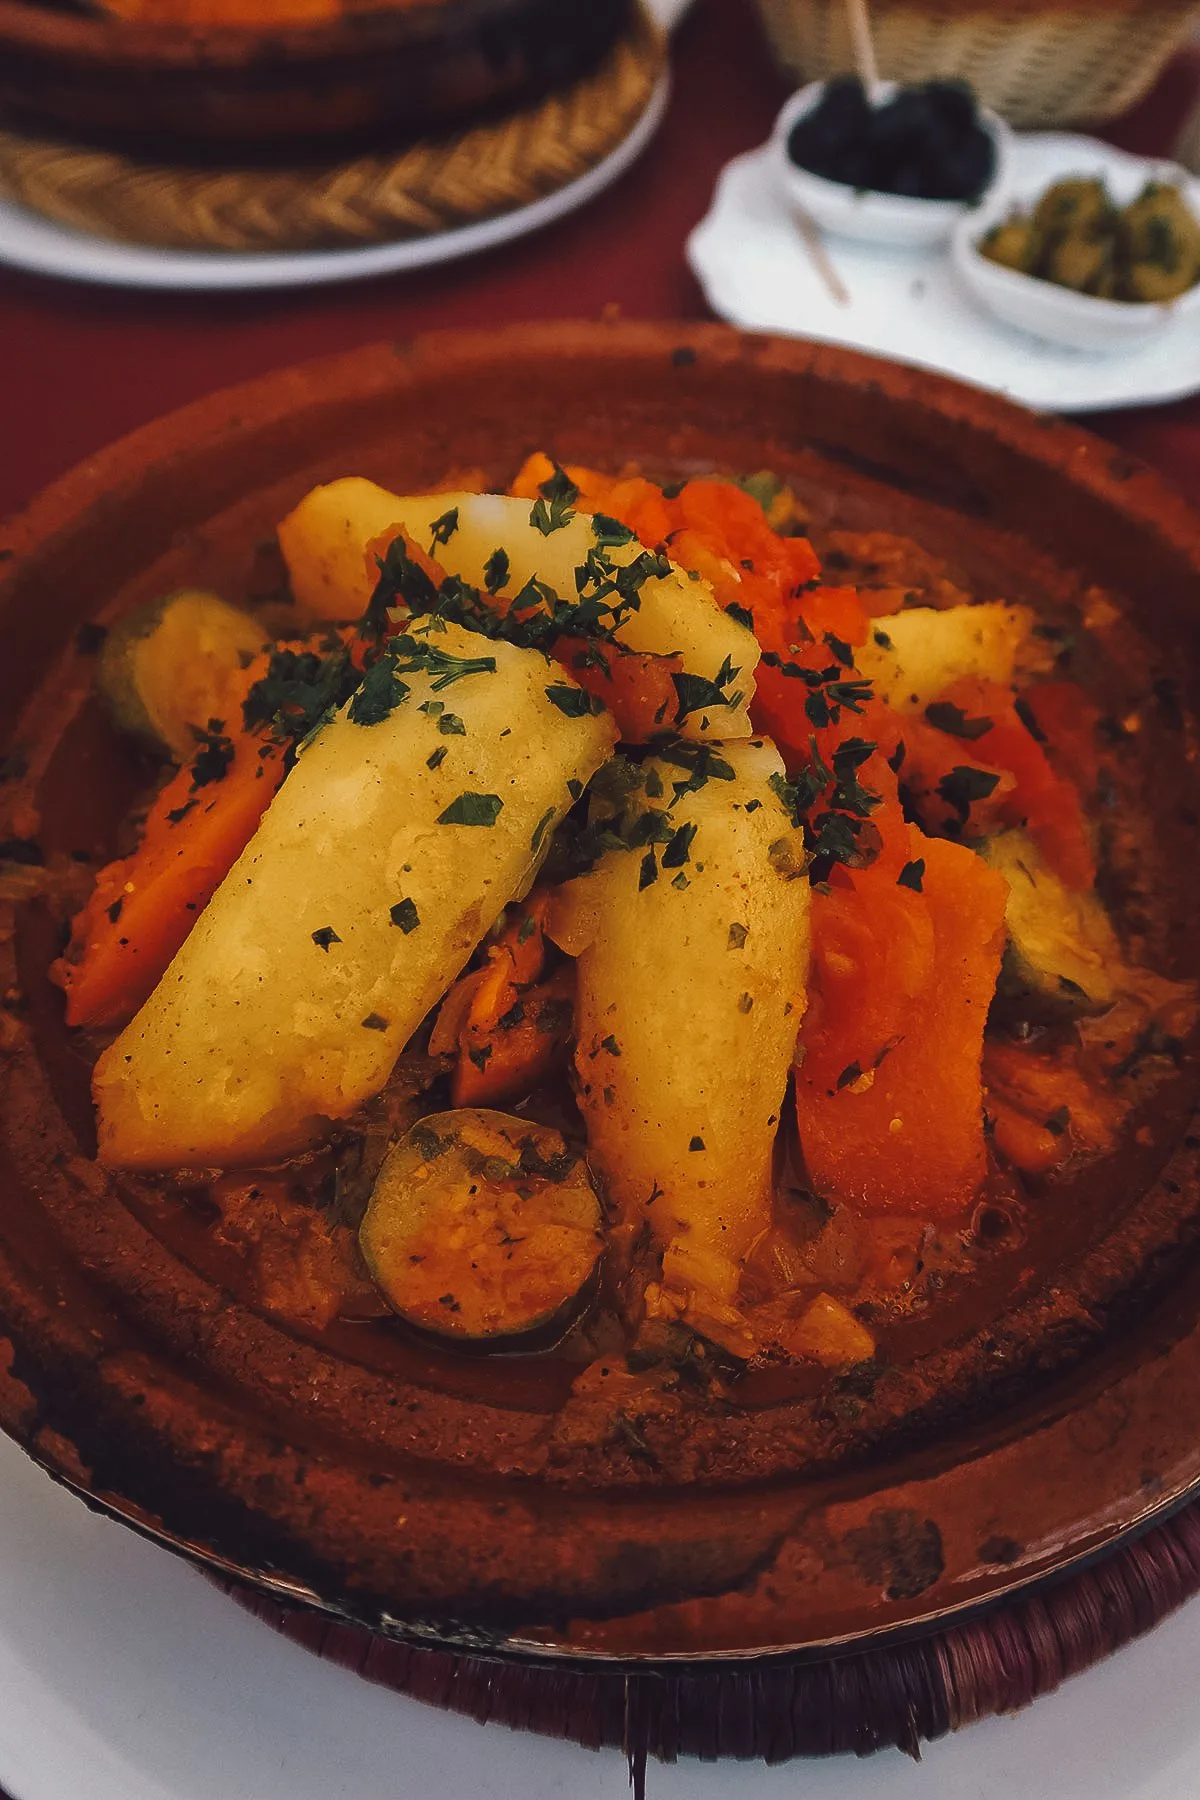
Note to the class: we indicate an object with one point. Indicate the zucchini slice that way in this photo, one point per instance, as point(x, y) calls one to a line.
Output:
point(1062, 949)
point(168, 668)
point(482, 1228)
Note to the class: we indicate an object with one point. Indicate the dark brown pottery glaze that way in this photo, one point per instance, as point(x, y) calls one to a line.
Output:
point(1055, 1407)
point(377, 78)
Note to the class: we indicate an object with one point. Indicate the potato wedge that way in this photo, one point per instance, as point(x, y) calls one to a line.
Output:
point(388, 852)
point(691, 989)
point(325, 540)
point(927, 648)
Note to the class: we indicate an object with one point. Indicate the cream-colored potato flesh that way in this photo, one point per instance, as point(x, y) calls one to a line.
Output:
point(324, 542)
point(689, 1001)
point(927, 649)
point(257, 1033)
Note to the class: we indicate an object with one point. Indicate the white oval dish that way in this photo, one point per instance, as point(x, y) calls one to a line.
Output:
point(757, 271)
point(872, 217)
point(1058, 314)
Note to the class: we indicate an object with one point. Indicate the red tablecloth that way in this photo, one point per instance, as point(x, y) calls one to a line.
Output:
point(80, 365)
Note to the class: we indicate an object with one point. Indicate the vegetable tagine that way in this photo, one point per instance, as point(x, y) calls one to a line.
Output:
point(602, 916)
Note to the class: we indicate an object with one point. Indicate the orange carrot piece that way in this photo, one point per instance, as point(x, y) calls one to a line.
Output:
point(510, 1055)
point(1044, 802)
point(897, 1125)
point(144, 905)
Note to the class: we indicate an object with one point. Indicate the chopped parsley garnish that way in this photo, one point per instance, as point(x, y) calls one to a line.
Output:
point(945, 716)
point(963, 786)
point(472, 809)
point(212, 760)
point(381, 691)
point(443, 529)
point(610, 534)
point(678, 850)
point(912, 875)
point(375, 1022)
point(575, 702)
point(841, 650)
point(437, 758)
point(180, 812)
point(611, 1045)
point(325, 936)
point(697, 1143)
point(450, 725)
point(696, 691)
point(883, 640)
point(741, 614)
point(539, 830)
point(849, 1075)
point(649, 871)
point(418, 654)
point(480, 1056)
point(574, 787)
point(1058, 1121)
point(495, 571)
point(553, 509)
point(745, 1003)
point(114, 911)
point(737, 936)
point(405, 915)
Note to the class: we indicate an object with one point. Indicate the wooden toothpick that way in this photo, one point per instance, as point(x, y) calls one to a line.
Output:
point(863, 41)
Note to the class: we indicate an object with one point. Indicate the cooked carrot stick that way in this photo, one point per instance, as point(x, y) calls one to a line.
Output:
point(144, 905)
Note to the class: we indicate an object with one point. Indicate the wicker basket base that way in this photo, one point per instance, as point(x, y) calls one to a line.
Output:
point(866, 1700)
point(1054, 66)
point(432, 186)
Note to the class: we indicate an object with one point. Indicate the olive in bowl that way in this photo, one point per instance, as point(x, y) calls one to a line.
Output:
point(1102, 259)
point(897, 166)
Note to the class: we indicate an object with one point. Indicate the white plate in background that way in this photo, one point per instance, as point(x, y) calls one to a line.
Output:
point(751, 261)
point(29, 241)
point(124, 1675)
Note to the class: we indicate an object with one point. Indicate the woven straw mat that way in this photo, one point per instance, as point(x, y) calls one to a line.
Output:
point(432, 186)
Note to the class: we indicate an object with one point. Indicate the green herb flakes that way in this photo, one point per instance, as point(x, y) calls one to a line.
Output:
point(382, 690)
point(945, 716)
point(495, 571)
point(443, 529)
point(472, 809)
point(375, 1022)
point(324, 937)
point(737, 936)
point(539, 830)
point(912, 875)
point(697, 1143)
point(648, 874)
point(437, 758)
point(575, 702)
point(553, 509)
point(405, 915)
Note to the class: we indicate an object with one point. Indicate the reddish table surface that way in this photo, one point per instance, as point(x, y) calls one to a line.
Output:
point(80, 365)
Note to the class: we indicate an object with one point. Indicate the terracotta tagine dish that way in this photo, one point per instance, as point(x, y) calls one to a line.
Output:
point(447, 1233)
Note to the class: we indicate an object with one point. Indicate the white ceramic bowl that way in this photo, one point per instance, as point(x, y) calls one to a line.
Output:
point(878, 218)
point(1057, 314)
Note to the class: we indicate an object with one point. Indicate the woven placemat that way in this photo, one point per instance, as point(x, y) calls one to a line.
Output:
point(863, 1700)
point(432, 186)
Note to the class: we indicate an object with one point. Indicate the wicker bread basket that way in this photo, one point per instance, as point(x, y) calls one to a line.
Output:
point(1036, 63)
